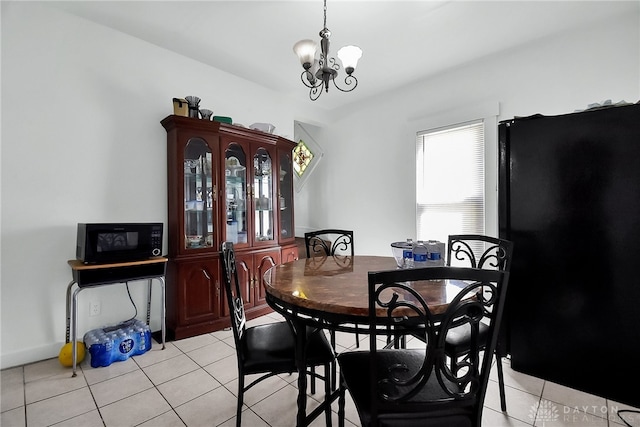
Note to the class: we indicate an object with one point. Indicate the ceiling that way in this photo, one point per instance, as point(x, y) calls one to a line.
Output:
point(402, 41)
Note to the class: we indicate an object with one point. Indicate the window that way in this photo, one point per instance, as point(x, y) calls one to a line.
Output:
point(450, 181)
point(302, 157)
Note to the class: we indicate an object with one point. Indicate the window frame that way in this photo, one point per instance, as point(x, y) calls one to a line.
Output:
point(489, 113)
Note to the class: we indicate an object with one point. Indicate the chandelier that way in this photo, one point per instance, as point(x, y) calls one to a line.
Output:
point(318, 72)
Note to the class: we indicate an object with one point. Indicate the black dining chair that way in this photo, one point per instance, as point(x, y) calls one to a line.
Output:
point(328, 242)
point(417, 387)
point(268, 349)
point(477, 251)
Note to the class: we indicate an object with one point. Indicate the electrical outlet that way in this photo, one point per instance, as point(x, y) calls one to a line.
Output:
point(94, 308)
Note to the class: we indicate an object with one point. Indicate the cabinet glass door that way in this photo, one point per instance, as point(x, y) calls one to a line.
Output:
point(198, 195)
point(236, 190)
point(263, 196)
point(285, 200)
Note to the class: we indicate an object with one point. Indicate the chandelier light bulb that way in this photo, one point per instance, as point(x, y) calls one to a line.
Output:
point(306, 51)
point(349, 55)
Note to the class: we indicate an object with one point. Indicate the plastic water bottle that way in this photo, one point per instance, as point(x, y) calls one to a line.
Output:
point(407, 254)
point(434, 254)
point(419, 255)
point(116, 343)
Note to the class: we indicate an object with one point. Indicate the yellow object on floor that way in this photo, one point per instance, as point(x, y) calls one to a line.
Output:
point(66, 354)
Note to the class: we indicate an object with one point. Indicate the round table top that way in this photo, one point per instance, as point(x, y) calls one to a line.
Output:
point(339, 284)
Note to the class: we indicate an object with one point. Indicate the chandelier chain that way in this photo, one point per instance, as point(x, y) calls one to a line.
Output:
point(325, 13)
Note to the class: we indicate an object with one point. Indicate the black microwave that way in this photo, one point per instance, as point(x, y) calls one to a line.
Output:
point(118, 242)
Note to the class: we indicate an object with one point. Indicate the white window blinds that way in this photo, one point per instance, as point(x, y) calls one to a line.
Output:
point(450, 181)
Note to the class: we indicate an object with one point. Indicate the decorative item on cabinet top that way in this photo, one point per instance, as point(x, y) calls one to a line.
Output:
point(180, 107)
point(264, 127)
point(189, 106)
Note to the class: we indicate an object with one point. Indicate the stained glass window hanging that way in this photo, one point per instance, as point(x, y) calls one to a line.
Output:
point(302, 156)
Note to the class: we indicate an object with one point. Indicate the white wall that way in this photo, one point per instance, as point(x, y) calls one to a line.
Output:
point(82, 142)
point(367, 176)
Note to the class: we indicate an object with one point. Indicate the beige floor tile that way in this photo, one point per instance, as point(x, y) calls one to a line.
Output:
point(571, 400)
point(259, 391)
point(90, 419)
point(157, 354)
point(223, 334)
point(230, 341)
point(60, 408)
point(210, 409)
point(224, 370)
point(188, 387)
point(135, 409)
point(516, 379)
point(277, 409)
point(168, 419)
point(169, 369)
point(249, 418)
point(114, 389)
point(208, 354)
point(43, 369)
point(189, 344)
point(12, 386)
point(348, 341)
point(103, 373)
point(13, 417)
point(493, 418)
point(520, 405)
point(53, 385)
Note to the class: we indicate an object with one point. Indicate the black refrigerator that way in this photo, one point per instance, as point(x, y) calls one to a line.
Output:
point(569, 199)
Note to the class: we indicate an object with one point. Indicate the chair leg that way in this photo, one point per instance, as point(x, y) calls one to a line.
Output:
point(357, 338)
point(341, 403)
point(503, 400)
point(327, 394)
point(313, 380)
point(333, 363)
point(240, 400)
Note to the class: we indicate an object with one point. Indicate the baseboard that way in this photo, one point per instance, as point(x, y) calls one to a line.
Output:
point(34, 354)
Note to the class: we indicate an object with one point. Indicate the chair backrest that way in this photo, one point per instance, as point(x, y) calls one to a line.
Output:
point(233, 295)
point(478, 251)
point(329, 242)
point(397, 300)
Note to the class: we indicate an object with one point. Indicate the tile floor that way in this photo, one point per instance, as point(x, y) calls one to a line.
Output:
point(193, 382)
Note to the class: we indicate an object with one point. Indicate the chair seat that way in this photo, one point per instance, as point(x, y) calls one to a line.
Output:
point(458, 338)
point(355, 373)
point(271, 347)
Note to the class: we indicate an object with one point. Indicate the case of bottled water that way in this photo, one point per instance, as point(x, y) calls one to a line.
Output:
point(119, 342)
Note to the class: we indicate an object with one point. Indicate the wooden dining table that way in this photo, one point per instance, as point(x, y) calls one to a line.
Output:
point(331, 292)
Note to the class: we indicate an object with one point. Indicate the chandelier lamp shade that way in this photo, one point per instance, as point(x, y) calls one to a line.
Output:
point(320, 70)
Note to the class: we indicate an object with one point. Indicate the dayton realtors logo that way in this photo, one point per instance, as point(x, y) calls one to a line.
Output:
point(544, 411)
point(548, 413)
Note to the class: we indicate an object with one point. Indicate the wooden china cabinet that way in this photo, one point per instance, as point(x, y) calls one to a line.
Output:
point(225, 183)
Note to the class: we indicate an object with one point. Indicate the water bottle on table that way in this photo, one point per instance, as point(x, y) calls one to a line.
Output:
point(420, 255)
